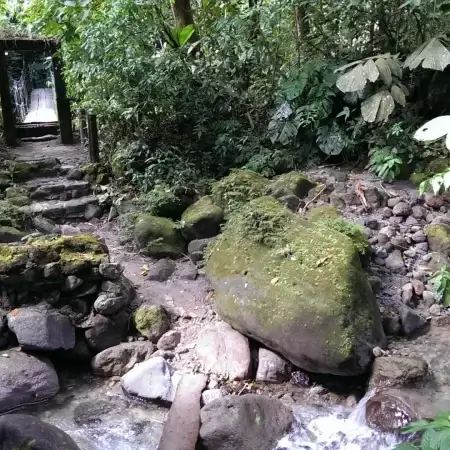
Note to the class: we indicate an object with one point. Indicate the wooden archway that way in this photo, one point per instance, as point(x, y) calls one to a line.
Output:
point(62, 103)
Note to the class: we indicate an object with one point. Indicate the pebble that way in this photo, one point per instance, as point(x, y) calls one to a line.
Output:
point(395, 220)
point(386, 213)
point(419, 237)
point(379, 261)
point(435, 310)
point(423, 246)
point(141, 338)
point(318, 390)
point(427, 257)
point(381, 252)
point(411, 221)
point(419, 212)
point(401, 209)
point(419, 275)
point(430, 218)
point(410, 253)
point(372, 224)
point(415, 228)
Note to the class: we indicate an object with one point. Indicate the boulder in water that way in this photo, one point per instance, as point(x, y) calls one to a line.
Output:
point(25, 379)
point(20, 431)
point(246, 422)
point(297, 287)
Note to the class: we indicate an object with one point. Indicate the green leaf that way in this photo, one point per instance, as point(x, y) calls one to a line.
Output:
point(185, 34)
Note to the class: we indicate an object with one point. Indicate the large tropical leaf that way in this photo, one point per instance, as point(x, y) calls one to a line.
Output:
point(331, 139)
point(398, 95)
point(385, 71)
point(431, 55)
point(378, 107)
point(352, 81)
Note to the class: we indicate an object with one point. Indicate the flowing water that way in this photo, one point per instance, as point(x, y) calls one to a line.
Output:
point(100, 417)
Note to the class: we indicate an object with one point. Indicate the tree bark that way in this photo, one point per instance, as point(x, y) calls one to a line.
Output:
point(184, 16)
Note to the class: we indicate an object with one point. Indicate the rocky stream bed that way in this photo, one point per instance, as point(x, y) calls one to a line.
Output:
point(154, 330)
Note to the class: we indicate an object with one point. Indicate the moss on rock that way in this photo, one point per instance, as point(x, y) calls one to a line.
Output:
point(151, 321)
point(18, 196)
point(291, 183)
point(10, 234)
point(237, 188)
point(296, 287)
point(323, 212)
point(13, 216)
point(439, 238)
point(417, 177)
point(202, 219)
point(25, 170)
point(5, 179)
point(157, 236)
point(351, 230)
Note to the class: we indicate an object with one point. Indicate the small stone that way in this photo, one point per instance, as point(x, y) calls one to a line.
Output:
point(395, 262)
point(112, 271)
point(422, 246)
point(427, 257)
point(407, 295)
point(435, 310)
point(410, 253)
point(108, 304)
point(376, 283)
point(378, 352)
point(113, 213)
point(74, 174)
point(428, 298)
point(386, 213)
point(402, 209)
point(162, 270)
point(416, 228)
point(418, 287)
point(381, 252)
point(169, 340)
point(211, 395)
point(382, 238)
point(393, 201)
point(372, 224)
point(93, 212)
point(87, 228)
point(112, 288)
point(410, 320)
point(318, 390)
point(396, 220)
point(72, 282)
point(399, 242)
point(419, 275)
point(272, 368)
point(187, 271)
point(411, 221)
point(379, 261)
point(419, 212)
point(434, 201)
point(69, 230)
point(391, 324)
point(141, 338)
point(419, 237)
point(430, 218)
point(52, 270)
point(388, 231)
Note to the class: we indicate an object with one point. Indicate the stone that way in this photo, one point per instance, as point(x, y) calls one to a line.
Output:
point(386, 213)
point(407, 294)
point(395, 263)
point(428, 298)
point(210, 395)
point(112, 271)
point(376, 283)
point(292, 183)
point(92, 412)
point(410, 320)
point(411, 221)
point(72, 282)
point(381, 252)
point(391, 324)
point(419, 236)
point(17, 430)
point(246, 422)
point(435, 310)
point(187, 271)
point(25, 379)
point(10, 234)
point(44, 225)
point(87, 228)
point(291, 202)
point(393, 201)
point(197, 247)
point(151, 321)
point(399, 242)
point(422, 246)
point(224, 351)
point(388, 231)
point(161, 270)
point(377, 352)
point(276, 309)
point(112, 287)
point(402, 209)
point(434, 201)
point(93, 211)
point(103, 332)
point(158, 237)
point(169, 340)
point(202, 219)
point(419, 212)
point(379, 261)
point(109, 304)
point(69, 230)
point(74, 174)
point(410, 253)
point(153, 380)
point(52, 270)
point(272, 368)
point(120, 359)
point(41, 329)
point(390, 371)
point(418, 287)
point(439, 238)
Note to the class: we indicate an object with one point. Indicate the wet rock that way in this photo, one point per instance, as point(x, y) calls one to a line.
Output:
point(246, 422)
point(395, 262)
point(300, 379)
point(109, 304)
point(410, 320)
point(187, 271)
point(169, 340)
point(93, 211)
point(272, 368)
point(224, 351)
point(17, 429)
point(151, 321)
point(197, 247)
point(105, 332)
point(120, 359)
point(153, 380)
point(41, 329)
point(92, 412)
point(390, 371)
point(25, 379)
point(112, 271)
point(44, 225)
point(402, 209)
point(434, 201)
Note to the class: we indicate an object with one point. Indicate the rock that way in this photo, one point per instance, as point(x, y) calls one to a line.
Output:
point(153, 380)
point(151, 321)
point(399, 242)
point(381, 252)
point(41, 329)
point(120, 359)
point(428, 298)
point(197, 247)
point(109, 304)
point(410, 253)
point(422, 246)
point(386, 213)
point(391, 324)
point(291, 202)
point(72, 282)
point(388, 231)
point(169, 340)
point(104, 332)
point(19, 429)
point(402, 209)
point(395, 262)
point(411, 221)
point(112, 271)
point(434, 201)
point(272, 368)
point(419, 236)
point(277, 310)
point(45, 226)
point(410, 320)
point(202, 219)
point(377, 352)
point(439, 238)
point(113, 213)
point(292, 183)
point(92, 412)
point(69, 230)
point(376, 283)
point(161, 270)
point(246, 422)
point(397, 372)
point(437, 260)
point(407, 294)
point(93, 211)
point(418, 287)
point(187, 271)
point(210, 395)
point(435, 310)
point(224, 351)
point(10, 234)
point(158, 237)
point(393, 201)
point(25, 379)
point(419, 212)
point(74, 174)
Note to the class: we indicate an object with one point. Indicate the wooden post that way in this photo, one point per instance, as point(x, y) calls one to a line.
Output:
point(94, 153)
point(82, 126)
point(9, 119)
point(62, 102)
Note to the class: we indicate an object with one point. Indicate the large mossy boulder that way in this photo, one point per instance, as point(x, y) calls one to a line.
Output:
point(26, 170)
point(5, 179)
point(13, 216)
point(292, 183)
point(237, 188)
point(439, 238)
point(158, 236)
point(323, 212)
point(296, 287)
point(202, 219)
point(151, 321)
point(17, 196)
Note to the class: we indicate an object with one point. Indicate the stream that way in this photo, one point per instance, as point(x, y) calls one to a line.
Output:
point(100, 417)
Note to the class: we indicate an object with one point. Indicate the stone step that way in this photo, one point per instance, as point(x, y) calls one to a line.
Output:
point(57, 189)
point(56, 209)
